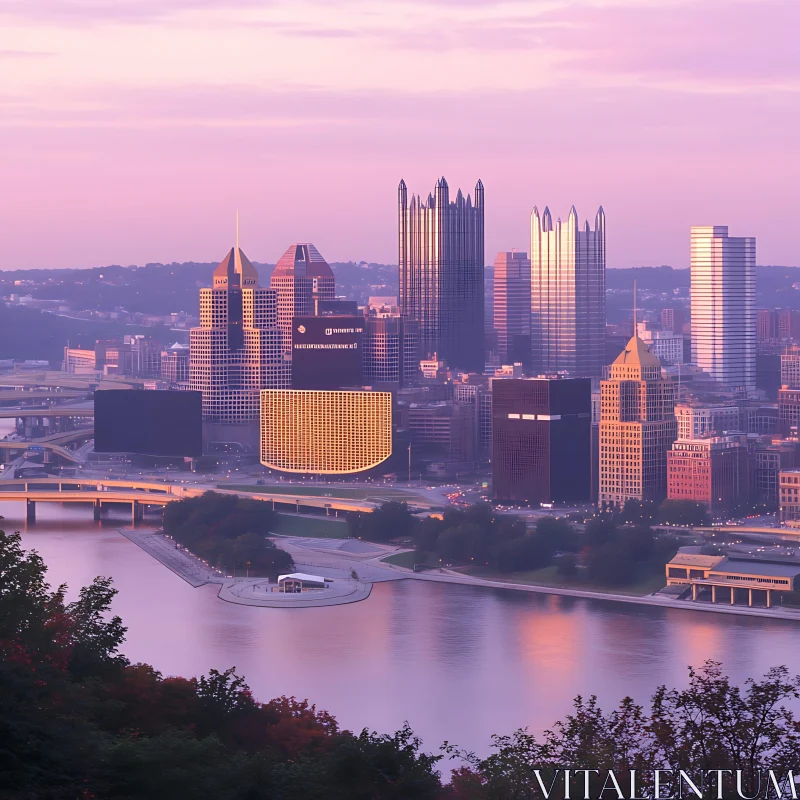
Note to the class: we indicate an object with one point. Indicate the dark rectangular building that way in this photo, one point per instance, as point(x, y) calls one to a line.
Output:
point(327, 352)
point(541, 440)
point(148, 422)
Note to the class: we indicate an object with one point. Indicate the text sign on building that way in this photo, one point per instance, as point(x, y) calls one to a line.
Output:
point(326, 352)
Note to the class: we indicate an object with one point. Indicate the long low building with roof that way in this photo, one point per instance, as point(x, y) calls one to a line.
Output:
point(734, 579)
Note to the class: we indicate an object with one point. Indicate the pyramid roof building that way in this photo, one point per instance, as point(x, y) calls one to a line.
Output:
point(235, 271)
point(303, 260)
point(637, 354)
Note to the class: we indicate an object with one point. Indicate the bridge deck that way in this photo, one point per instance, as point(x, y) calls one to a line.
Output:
point(76, 490)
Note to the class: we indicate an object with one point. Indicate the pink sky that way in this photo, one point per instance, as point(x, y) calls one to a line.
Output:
point(131, 130)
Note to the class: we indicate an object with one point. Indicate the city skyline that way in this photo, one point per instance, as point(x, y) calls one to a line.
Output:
point(628, 109)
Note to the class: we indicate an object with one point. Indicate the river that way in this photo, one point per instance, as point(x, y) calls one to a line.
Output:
point(459, 663)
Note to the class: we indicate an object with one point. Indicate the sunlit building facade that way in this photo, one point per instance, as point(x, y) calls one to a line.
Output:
point(441, 273)
point(568, 295)
point(325, 432)
point(698, 420)
point(723, 293)
point(637, 428)
point(300, 278)
point(237, 349)
point(714, 471)
point(512, 307)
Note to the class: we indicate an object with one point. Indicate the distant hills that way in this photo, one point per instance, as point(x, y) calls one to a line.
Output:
point(27, 333)
point(165, 288)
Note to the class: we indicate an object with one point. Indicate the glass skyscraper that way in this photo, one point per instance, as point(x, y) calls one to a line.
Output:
point(441, 273)
point(512, 307)
point(568, 295)
point(723, 306)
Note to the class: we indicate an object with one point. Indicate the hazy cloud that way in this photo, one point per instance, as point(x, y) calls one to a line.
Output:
point(80, 12)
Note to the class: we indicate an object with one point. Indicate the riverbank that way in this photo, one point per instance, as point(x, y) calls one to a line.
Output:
point(242, 591)
point(352, 561)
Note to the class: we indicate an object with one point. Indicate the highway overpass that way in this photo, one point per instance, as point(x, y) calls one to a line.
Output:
point(11, 450)
point(43, 413)
point(140, 494)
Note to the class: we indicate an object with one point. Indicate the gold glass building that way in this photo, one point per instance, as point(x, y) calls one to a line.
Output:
point(637, 428)
point(325, 432)
point(568, 294)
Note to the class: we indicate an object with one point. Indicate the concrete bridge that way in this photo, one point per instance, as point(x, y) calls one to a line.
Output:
point(141, 494)
point(11, 450)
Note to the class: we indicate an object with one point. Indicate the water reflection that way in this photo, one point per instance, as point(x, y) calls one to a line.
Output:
point(458, 663)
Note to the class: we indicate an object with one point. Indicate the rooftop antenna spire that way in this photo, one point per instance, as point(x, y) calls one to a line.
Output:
point(635, 328)
point(237, 229)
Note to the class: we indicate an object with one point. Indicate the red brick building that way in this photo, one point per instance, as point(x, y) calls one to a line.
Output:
point(714, 471)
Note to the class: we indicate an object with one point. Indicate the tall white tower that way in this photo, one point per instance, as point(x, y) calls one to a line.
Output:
point(723, 306)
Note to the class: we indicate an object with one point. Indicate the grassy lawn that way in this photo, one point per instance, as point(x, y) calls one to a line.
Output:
point(316, 527)
point(409, 558)
point(548, 576)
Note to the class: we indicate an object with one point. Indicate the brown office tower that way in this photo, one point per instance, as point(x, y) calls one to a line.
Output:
point(541, 440)
point(637, 428)
point(301, 279)
point(236, 350)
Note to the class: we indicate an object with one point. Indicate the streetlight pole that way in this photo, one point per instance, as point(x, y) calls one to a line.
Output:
point(409, 463)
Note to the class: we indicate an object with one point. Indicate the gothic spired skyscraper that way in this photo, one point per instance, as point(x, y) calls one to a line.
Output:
point(568, 294)
point(441, 273)
point(723, 306)
point(236, 351)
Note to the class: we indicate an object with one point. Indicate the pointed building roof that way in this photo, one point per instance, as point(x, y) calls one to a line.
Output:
point(303, 260)
point(636, 354)
point(235, 271)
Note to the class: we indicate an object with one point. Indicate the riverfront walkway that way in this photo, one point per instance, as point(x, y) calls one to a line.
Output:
point(249, 592)
point(243, 591)
point(355, 565)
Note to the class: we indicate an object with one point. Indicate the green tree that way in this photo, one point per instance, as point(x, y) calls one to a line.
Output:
point(710, 724)
point(683, 512)
point(638, 512)
point(558, 533)
point(227, 530)
point(392, 520)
